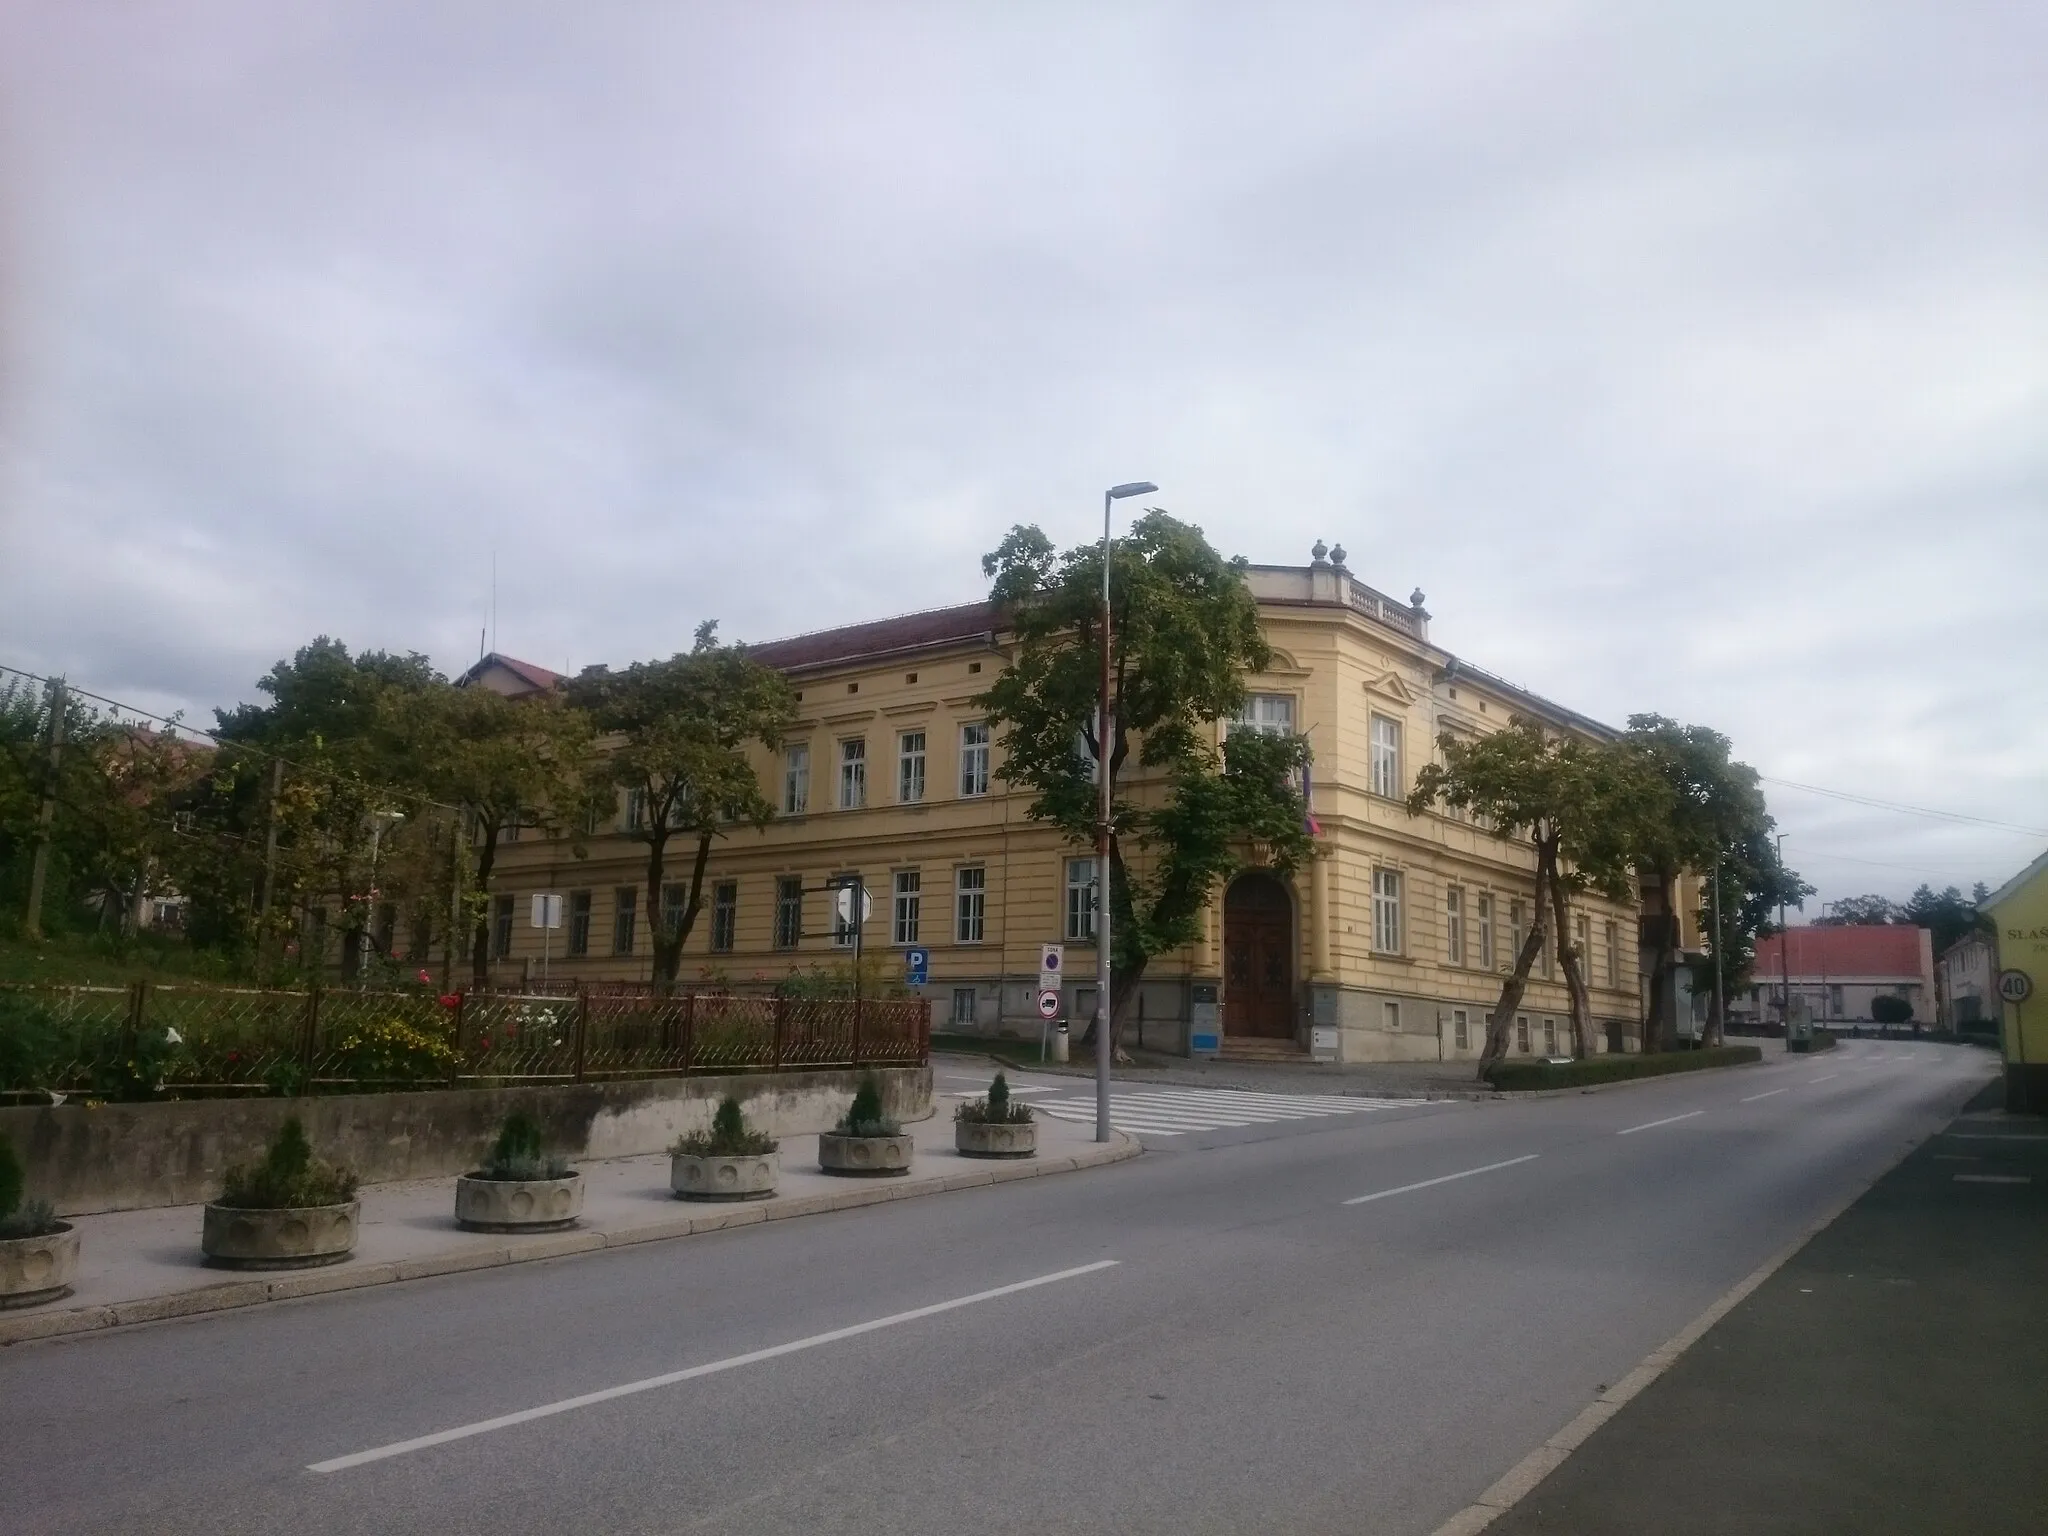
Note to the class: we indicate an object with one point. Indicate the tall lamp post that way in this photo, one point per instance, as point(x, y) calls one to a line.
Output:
point(1784, 951)
point(1114, 494)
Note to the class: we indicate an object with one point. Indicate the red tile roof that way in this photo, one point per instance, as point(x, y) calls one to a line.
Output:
point(538, 676)
point(1878, 949)
point(880, 637)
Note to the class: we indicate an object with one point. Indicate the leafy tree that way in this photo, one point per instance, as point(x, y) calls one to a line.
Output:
point(1949, 915)
point(1710, 811)
point(1753, 882)
point(1184, 634)
point(1576, 805)
point(1887, 1009)
point(1860, 911)
point(506, 762)
point(679, 733)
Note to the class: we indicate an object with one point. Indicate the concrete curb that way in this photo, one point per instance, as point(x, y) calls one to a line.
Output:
point(554, 1245)
point(1522, 1478)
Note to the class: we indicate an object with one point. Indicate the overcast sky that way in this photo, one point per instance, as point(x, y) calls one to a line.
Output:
point(1692, 358)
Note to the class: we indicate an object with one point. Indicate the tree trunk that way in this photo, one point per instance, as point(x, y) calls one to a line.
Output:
point(668, 949)
point(666, 955)
point(1512, 989)
point(1656, 1023)
point(480, 939)
point(1574, 967)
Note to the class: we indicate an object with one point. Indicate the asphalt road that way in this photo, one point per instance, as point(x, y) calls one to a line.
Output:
point(1217, 1342)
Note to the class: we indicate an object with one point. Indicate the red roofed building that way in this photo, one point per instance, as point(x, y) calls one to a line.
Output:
point(509, 675)
point(1836, 971)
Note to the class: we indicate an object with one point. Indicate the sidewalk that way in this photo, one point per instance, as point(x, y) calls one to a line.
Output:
point(1891, 1377)
point(139, 1266)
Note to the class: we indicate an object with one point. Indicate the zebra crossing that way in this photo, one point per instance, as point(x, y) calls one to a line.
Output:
point(1178, 1111)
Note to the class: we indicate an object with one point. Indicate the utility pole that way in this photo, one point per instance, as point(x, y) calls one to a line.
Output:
point(1784, 949)
point(46, 818)
point(269, 857)
point(1720, 1000)
point(1103, 827)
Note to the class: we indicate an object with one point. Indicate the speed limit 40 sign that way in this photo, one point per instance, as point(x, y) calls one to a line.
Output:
point(2015, 986)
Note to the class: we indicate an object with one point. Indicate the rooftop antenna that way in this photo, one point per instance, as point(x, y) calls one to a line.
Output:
point(494, 599)
point(480, 633)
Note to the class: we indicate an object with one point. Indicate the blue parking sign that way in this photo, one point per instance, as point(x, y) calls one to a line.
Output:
point(917, 967)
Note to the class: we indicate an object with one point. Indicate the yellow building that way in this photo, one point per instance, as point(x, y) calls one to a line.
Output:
point(2019, 908)
point(1388, 946)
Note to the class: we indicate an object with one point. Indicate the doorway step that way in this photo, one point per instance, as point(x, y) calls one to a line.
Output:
point(1254, 1048)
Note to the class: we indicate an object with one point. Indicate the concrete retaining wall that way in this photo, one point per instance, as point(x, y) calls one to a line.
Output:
point(122, 1157)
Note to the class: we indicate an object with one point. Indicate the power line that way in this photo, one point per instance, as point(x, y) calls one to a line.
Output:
point(1905, 810)
point(1912, 869)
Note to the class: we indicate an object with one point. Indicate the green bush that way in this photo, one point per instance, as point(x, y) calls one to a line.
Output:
point(518, 1153)
point(393, 1051)
point(1891, 1010)
point(288, 1178)
point(864, 1116)
point(18, 1219)
point(31, 1044)
point(997, 1109)
point(1522, 1076)
point(729, 1136)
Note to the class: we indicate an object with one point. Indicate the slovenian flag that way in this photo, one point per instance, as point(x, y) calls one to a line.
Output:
point(1313, 827)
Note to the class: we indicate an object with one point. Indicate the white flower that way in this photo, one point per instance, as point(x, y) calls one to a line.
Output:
point(174, 1037)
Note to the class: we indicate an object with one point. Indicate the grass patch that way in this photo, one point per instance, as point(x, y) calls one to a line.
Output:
point(1522, 1076)
point(1009, 1052)
point(106, 960)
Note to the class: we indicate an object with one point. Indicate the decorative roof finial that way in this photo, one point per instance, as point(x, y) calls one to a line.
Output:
point(1337, 557)
point(1320, 554)
point(1415, 598)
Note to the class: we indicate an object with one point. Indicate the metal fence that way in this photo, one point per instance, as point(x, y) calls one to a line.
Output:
point(145, 1041)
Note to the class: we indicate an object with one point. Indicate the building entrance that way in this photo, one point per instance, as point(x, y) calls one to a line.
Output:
point(1258, 958)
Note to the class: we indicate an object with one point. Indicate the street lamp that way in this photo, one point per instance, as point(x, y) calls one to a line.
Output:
point(1102, 826)
point(1784, 951)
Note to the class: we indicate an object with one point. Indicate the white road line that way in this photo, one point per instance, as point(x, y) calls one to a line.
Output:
point(712, 1368)
point(1527, 1157)
point(1755, 1096)
point(1160, 1116)
point(1651, 1125)
point(1993, 1178)
point(1830, 1077)
point(1996, 1135)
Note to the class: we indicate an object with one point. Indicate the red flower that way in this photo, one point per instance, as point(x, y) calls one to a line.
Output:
point(451, 1000)
point(424, 977)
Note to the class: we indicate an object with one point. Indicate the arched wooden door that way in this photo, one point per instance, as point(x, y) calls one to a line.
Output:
point(1258, 958)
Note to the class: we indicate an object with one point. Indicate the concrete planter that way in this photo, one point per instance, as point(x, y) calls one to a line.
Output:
point(724, 1178)
point(518, 1205)
point(295, 1238)
point(869, 1157)
point(38, 1269)
point(974, 1139)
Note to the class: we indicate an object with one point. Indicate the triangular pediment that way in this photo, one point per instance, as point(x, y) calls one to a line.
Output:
point(1390, 685)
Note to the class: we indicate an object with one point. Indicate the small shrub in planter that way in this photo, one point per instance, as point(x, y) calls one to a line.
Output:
point(995, 1126)
point(521, 1187)
point(289, 1211)
point(38, 1253)
point(866, 1143)
point(731, 1161)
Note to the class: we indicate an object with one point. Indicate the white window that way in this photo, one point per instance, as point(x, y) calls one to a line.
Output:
point(910, 767)
point(1386, 911)
point(796, 779)
point(1550, 1037)
point(1461, 1029)
point(1386, 757)
point(963, 1005)
point(853, 774)
point(1485, 932)
point(1582, 936)
point(909, 897)
point(1272, 713)
point(970, 903)
point(1613, 937)
point(973, 759)
point(1522, 1033)
point(1516, 933)
point(636, 809)
point(1080, 901)
point(1454, 926)
point(1390, 1014)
